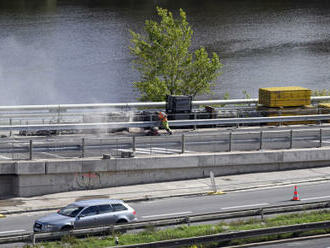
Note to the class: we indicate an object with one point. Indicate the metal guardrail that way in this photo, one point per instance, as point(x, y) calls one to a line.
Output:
point(233, 235)
point(129, 105)
point(176, 123)
point(224, 141)
point(33, 237)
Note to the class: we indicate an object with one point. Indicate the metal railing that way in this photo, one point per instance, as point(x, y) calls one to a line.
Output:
point(197, 218)
point(224, 237)
point(114, 146)
point(176, 123)
point(130, 105)
point(103, 112)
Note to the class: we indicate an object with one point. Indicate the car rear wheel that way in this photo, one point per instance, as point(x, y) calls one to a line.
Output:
point(121, 221)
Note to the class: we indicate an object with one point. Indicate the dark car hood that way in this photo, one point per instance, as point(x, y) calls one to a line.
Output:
point(55, 218)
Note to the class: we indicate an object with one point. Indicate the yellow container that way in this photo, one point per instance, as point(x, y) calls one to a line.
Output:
point(284, 96)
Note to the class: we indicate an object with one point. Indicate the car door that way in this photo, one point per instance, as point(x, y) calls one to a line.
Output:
point(87, 218)
point(106, 215)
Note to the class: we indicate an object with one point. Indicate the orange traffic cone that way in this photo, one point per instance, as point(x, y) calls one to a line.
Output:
point(295, 194)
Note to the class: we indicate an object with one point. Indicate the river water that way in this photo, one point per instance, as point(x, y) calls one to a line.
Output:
point(77, 51)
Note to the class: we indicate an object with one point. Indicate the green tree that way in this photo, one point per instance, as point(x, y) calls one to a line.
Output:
point(165, 62)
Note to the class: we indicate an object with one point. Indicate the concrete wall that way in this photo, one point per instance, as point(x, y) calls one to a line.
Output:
point(28, 178)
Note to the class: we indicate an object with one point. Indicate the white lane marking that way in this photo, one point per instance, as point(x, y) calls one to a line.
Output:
point(245, 206)
point(166, 149)
point(13, 231)
point(4, 157)
point(140, 150)
point(160, 215)
point(137, 150)
point(317, 141)
point(315, 198)
point(153, 150)
point(52, 155)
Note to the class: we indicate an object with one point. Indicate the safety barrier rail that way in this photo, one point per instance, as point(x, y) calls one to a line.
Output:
point(197, 218)
point(131, 105)
point(176, 123)
point(233, 235)
point(87, 113)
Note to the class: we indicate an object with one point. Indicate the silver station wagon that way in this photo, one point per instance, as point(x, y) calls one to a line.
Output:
point(85, 214)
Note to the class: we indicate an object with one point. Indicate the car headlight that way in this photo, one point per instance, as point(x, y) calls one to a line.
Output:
point(49, 226)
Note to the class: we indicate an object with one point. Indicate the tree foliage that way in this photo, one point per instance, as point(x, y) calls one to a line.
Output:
point(165, 62)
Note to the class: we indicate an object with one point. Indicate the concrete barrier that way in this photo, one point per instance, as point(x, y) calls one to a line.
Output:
point(30, 178)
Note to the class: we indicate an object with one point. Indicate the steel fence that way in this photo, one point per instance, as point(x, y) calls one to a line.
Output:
point(60, 147)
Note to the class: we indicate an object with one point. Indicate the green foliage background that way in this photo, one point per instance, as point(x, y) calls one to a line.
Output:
point(165, 62)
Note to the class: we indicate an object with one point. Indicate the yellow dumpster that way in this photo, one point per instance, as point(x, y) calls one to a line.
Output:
point(284, 96)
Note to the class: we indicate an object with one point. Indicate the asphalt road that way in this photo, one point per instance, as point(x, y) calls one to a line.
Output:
point(168, 207)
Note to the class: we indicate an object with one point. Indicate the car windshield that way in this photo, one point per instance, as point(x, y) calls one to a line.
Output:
point(71, 210)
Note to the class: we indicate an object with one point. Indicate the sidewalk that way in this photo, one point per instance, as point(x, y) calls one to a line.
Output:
point(167, 189)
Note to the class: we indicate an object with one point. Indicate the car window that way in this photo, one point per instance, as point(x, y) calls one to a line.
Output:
point(70, 210)
point(93, 210)
point(118, 207)
point(105, 209)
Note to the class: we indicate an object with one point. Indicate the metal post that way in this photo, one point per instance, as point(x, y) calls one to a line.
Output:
point(260, 139)
point(195, 117)
point(262, 214)
point(182, 144)
point(10, 123)
point(58, 114)
point(230, 141)
point(133, 144)
point(187, 220)
point(291, 138)
point(238, 116)
point(30, 150)
point(320, 137)
point(83, 147)
point(33, 239)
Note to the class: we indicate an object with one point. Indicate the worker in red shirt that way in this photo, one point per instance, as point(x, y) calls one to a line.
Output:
point(163, 118)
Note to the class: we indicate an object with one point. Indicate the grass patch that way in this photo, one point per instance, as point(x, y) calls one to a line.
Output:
point(152, 234)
